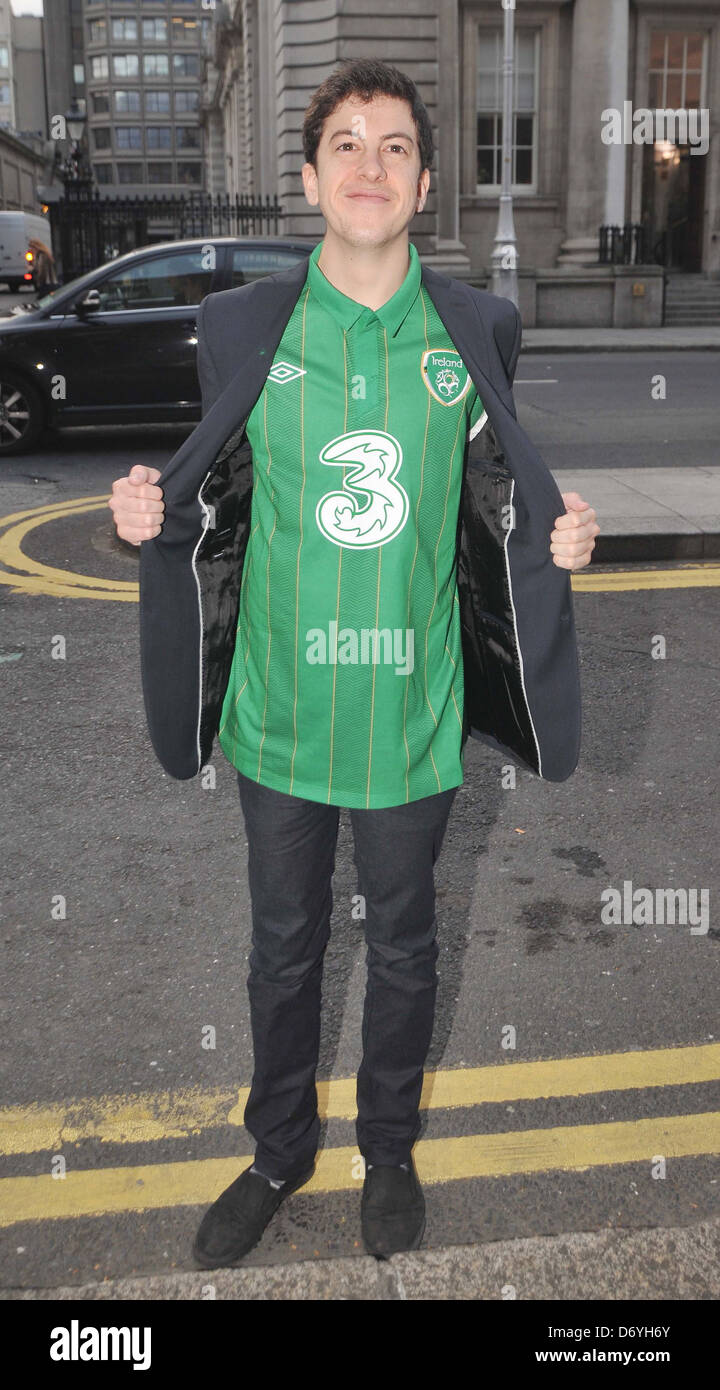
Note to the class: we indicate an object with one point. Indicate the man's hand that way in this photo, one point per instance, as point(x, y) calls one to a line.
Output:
point(573, 540)
point(137, 504)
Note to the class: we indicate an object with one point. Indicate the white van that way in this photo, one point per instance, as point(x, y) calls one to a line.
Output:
point(16, 229)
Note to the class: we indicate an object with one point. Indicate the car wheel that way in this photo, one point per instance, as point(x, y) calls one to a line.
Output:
point(22, 414)
point(13, 286)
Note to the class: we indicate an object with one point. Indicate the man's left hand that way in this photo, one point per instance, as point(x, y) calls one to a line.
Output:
point(573, 540)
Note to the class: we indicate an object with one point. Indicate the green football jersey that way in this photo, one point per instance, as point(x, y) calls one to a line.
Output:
point(346, 685)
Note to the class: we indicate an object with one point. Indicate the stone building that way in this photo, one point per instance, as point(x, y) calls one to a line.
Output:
point(134, 68)
point(576, 166)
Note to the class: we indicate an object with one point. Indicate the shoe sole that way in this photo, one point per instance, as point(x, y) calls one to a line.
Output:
point(387, 1254)
point(210, 1262)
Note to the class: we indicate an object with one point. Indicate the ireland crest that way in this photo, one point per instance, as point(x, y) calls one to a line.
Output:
point(445, 375)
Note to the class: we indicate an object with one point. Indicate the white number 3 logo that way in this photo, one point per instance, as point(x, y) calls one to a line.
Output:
point(373, 507)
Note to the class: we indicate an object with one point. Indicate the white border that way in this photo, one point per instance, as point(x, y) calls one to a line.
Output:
point(517, 639)
point(206, 519)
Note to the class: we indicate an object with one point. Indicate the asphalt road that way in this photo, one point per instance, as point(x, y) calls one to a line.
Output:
point(598, 410)
point(109, 1003)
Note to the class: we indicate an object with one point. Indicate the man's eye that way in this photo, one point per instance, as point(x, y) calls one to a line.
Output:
point(345, 145)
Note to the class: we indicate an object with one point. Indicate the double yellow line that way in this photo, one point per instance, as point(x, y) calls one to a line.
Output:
point(160, 1116)
point(25, 575)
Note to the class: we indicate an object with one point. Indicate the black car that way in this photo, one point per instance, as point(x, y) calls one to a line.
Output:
point(117, 346)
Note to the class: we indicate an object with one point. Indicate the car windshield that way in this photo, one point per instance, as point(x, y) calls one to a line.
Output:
point(47, 299)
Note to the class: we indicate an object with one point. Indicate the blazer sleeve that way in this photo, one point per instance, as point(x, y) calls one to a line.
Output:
point(206, 369)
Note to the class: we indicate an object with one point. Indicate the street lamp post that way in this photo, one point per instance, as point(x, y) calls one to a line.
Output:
point(74, 170)
point(504, 256)
point(74, 227)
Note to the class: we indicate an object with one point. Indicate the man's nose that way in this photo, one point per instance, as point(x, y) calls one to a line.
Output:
point(370, 164)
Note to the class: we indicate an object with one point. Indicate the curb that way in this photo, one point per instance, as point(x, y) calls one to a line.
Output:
point(635, 344)
point(642, 548)
point(678, 1263)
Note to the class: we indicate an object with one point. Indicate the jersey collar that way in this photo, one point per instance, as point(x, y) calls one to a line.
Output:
point(347, 311)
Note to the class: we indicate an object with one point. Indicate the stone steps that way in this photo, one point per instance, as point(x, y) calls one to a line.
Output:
point(692, 299)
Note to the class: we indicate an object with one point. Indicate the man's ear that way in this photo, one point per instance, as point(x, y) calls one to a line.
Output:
point(310, 183)
point(423, 184)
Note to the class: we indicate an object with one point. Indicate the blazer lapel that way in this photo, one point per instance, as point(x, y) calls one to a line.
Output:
point(469, 333)
point(265, 314)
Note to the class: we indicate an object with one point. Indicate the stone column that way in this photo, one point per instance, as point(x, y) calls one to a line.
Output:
point(596, 171)
point(451, 253)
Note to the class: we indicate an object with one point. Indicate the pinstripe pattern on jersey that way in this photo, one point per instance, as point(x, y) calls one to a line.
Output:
point(349, 735)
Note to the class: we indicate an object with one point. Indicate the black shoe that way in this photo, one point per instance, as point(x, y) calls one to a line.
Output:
point(235, 1222)
point(392, 1210)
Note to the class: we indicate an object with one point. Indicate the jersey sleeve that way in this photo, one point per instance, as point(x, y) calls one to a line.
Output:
point(476, 410)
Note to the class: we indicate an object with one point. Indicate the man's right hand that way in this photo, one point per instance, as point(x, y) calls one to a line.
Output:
point(137, 504)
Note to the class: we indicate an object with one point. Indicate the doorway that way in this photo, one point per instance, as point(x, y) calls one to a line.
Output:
point(673, 205)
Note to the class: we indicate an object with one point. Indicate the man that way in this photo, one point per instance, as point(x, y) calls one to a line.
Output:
point(44, 266)
point(340, 398)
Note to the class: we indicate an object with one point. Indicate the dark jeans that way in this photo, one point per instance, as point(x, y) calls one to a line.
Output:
point(291, 858)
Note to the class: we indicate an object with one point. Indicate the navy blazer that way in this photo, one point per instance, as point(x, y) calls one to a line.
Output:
point(520, 659)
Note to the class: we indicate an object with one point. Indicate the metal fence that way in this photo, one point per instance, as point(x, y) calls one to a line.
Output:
point(87, 230)
point(625, 245)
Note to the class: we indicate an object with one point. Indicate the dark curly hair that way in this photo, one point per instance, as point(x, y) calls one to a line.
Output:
point(365, 78)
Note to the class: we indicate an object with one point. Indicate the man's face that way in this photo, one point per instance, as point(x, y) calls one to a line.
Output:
point(368, 183)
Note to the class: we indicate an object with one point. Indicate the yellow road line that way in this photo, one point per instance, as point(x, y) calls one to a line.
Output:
point(150, 1116)
point(24, 575)
point(697, 576)
point(31, 576)
point(50, 508)
point(93, 1192)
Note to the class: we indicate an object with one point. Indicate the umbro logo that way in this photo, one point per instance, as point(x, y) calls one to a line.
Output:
point(285, 371)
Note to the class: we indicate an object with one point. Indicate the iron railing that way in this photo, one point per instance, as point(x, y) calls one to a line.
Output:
point(88, 230)
point(624, 245)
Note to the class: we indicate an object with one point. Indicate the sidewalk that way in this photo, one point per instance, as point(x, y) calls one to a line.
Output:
point(645, 514)
point(673, 338)
point(650, 514)
point(681, 1262)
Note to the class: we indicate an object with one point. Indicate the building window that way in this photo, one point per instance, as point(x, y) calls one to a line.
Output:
point(186, 64)
point(101, 103)
point(130, 173)
point(676, 69)
point(4, 56)
point(4, 93)
point(155, 30)
point(125, 29)
point(99, 65)
point(128, 137)
point(184, 30)
point(103, 173)
point(155, 64)
point(186, 101)
point(126, 100)
point(125, 65)
point(188, 137)
point(98, 30)
point(159, 172)
point(101, 137)
point(158, 102)
point(489, 109)
point(79, 74)
point(189, 173)
point(159, 137)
